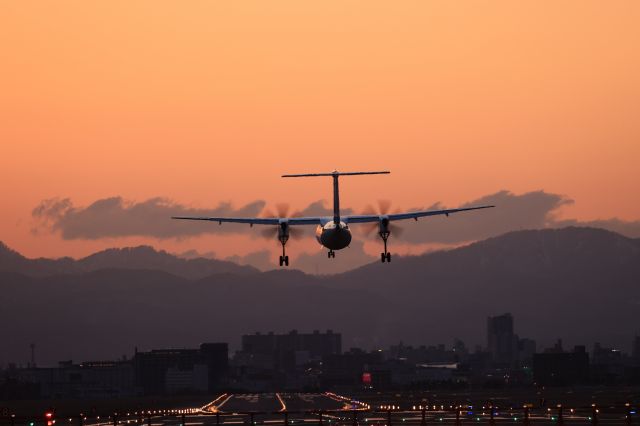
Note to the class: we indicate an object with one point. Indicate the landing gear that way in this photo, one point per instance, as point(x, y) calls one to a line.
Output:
point(331, 254)
point(284, 237)
point(385, 256)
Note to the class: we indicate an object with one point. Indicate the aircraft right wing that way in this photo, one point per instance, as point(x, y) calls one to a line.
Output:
point(367, 218)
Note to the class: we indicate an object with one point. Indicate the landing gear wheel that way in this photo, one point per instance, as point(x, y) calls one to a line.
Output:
point(383, 257)
point(331, 254)
point(286, 260)
point(281, 260)
point(388, 257)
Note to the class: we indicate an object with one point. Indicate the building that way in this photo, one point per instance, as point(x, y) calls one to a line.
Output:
point(502, 344)
point(346, 370)
point(184, 381)
point(288, 351)
point(98, 379)
point(607, 365)
point(635, 350)
point(428, 354)
point(526, 351)
point(561, 368)
point(163, 371)
point(216, 357)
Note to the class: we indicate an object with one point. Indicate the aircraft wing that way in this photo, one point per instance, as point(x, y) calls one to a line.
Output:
point(409, 215)
point(258, 220)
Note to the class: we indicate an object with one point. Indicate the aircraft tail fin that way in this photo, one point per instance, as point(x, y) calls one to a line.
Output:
point(336, 191)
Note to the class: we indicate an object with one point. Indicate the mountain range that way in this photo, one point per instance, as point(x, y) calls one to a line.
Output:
point(578, 284)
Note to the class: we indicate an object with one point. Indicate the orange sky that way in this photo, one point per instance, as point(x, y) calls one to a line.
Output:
point(207, 101)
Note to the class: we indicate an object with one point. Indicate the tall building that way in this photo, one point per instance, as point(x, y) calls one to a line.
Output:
point(502, 344)
point(216, 357)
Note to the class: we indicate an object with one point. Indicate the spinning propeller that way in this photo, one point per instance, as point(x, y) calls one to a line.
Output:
point(282, 211)
point(384, 208)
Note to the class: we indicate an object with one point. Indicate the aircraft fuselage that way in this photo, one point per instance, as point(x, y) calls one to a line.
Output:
point(334, 237)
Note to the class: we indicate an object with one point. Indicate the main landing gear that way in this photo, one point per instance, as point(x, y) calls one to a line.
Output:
point(386, 256)
point(331, 254)
point(284, 259)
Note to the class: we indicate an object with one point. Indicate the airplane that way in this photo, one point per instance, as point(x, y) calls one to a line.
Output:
point(334, 233)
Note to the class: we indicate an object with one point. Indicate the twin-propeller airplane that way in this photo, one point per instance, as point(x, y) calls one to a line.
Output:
point(334, 232)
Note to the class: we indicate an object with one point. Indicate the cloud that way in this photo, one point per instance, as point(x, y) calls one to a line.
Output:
point(319, 208)
point(115, 217)
point(531, 210)
point(512, 212)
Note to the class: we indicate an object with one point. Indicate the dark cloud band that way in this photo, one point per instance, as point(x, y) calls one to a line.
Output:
point(115, 217)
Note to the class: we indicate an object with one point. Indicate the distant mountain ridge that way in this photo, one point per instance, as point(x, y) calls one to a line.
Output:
point(579, 284)
point(141, 257)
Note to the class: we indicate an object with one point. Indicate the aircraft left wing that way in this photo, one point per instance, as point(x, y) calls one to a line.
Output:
point(409, 215)
point(258, 220)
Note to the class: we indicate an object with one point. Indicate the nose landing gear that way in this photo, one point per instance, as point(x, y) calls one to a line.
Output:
point(331, 254)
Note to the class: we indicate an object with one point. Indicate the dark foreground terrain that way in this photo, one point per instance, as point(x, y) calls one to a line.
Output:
point(610, 406)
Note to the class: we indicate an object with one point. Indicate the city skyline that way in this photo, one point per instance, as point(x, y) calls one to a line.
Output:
point(272, 357)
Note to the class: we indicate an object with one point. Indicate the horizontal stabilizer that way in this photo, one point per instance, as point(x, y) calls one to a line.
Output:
point(337, 173)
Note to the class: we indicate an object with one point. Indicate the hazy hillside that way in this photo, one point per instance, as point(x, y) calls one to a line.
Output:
point(580, 284)
point(142, 257)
